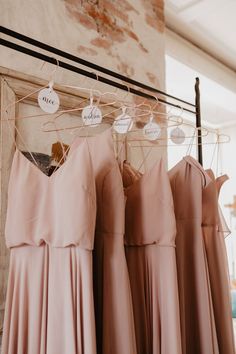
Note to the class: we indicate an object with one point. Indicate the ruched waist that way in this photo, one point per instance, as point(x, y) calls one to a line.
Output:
point(149, 243)
point(110, 233)
point(145, 237)
point(85, 241)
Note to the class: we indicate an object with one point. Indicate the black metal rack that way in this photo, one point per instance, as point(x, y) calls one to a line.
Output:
point(136, 85)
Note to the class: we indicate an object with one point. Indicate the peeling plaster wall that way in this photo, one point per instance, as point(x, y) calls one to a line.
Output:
point(123, 35)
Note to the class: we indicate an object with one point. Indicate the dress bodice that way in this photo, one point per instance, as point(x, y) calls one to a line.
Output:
point(59, 210)
point(149, 207)
point(108, 180)
point(188, 179)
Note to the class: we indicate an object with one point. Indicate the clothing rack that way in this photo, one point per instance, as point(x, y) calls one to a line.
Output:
point(191, 108)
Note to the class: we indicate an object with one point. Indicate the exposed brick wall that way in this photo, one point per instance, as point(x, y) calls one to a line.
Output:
point(110, 19)
point(113, 23)
point(155, 14)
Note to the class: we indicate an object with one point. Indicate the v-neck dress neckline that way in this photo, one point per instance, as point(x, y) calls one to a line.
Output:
point(20, 154)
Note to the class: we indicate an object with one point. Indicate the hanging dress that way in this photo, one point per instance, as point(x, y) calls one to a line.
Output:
point(50, 232)
point(213, 232)
point(188, 181)
point(150, 232)
point(112, 295)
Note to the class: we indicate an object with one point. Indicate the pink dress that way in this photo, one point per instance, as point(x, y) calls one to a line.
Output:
point(150, 232)
point(198, 331)
point(112, 294)
point(213, 232)
point(50, 232)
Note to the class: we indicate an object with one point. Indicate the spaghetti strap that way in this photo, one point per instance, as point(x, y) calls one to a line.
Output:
point(121, 155)
point(220, 181)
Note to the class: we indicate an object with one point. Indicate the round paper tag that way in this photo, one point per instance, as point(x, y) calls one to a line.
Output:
point(177, 136)
point(152, 131)
point(122, 124)
point(91, 115)
point(48, 100)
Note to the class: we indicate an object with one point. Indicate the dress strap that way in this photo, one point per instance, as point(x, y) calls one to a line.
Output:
point(205, 177)
point(121, 154)
point(223, 226)
point(220, 181)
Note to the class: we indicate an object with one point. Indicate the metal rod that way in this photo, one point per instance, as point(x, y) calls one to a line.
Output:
point(86, 63)
point(198, 120)
point(83, 72)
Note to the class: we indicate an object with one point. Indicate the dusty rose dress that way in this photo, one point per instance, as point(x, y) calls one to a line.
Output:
point(50, 232)
point(213, 232)
point(113, 302)
point(150, 252)
point(198, 331)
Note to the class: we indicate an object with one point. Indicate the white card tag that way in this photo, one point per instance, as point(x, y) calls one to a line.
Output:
point(177, 136)
point(152, 131)
point(91, 115)
point(123, 123)
point(48, 100)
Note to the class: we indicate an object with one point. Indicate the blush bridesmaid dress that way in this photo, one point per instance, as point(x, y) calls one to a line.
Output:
point(50, 232)
point(198, 329)
point(214, 230)
point(112, 294)
point(150, 232)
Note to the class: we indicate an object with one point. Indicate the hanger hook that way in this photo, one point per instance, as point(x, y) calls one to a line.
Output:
point(127, 93)
point(181, 111)
point(91, 97)
point(93, 89)
point(124, 108)
point(179, 115)
point(55, 69)
point(52, 75)
point(152, 109)
point(151, 118)
point(97, 80)
point(157, 102)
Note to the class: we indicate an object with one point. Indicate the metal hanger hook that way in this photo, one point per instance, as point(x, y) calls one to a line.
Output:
point(127, 93)
point(97, 80)
point(157, 102)
point(91, 97)
point(53, 73)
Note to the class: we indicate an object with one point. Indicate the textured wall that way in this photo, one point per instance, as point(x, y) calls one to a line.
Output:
point(124, 35)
